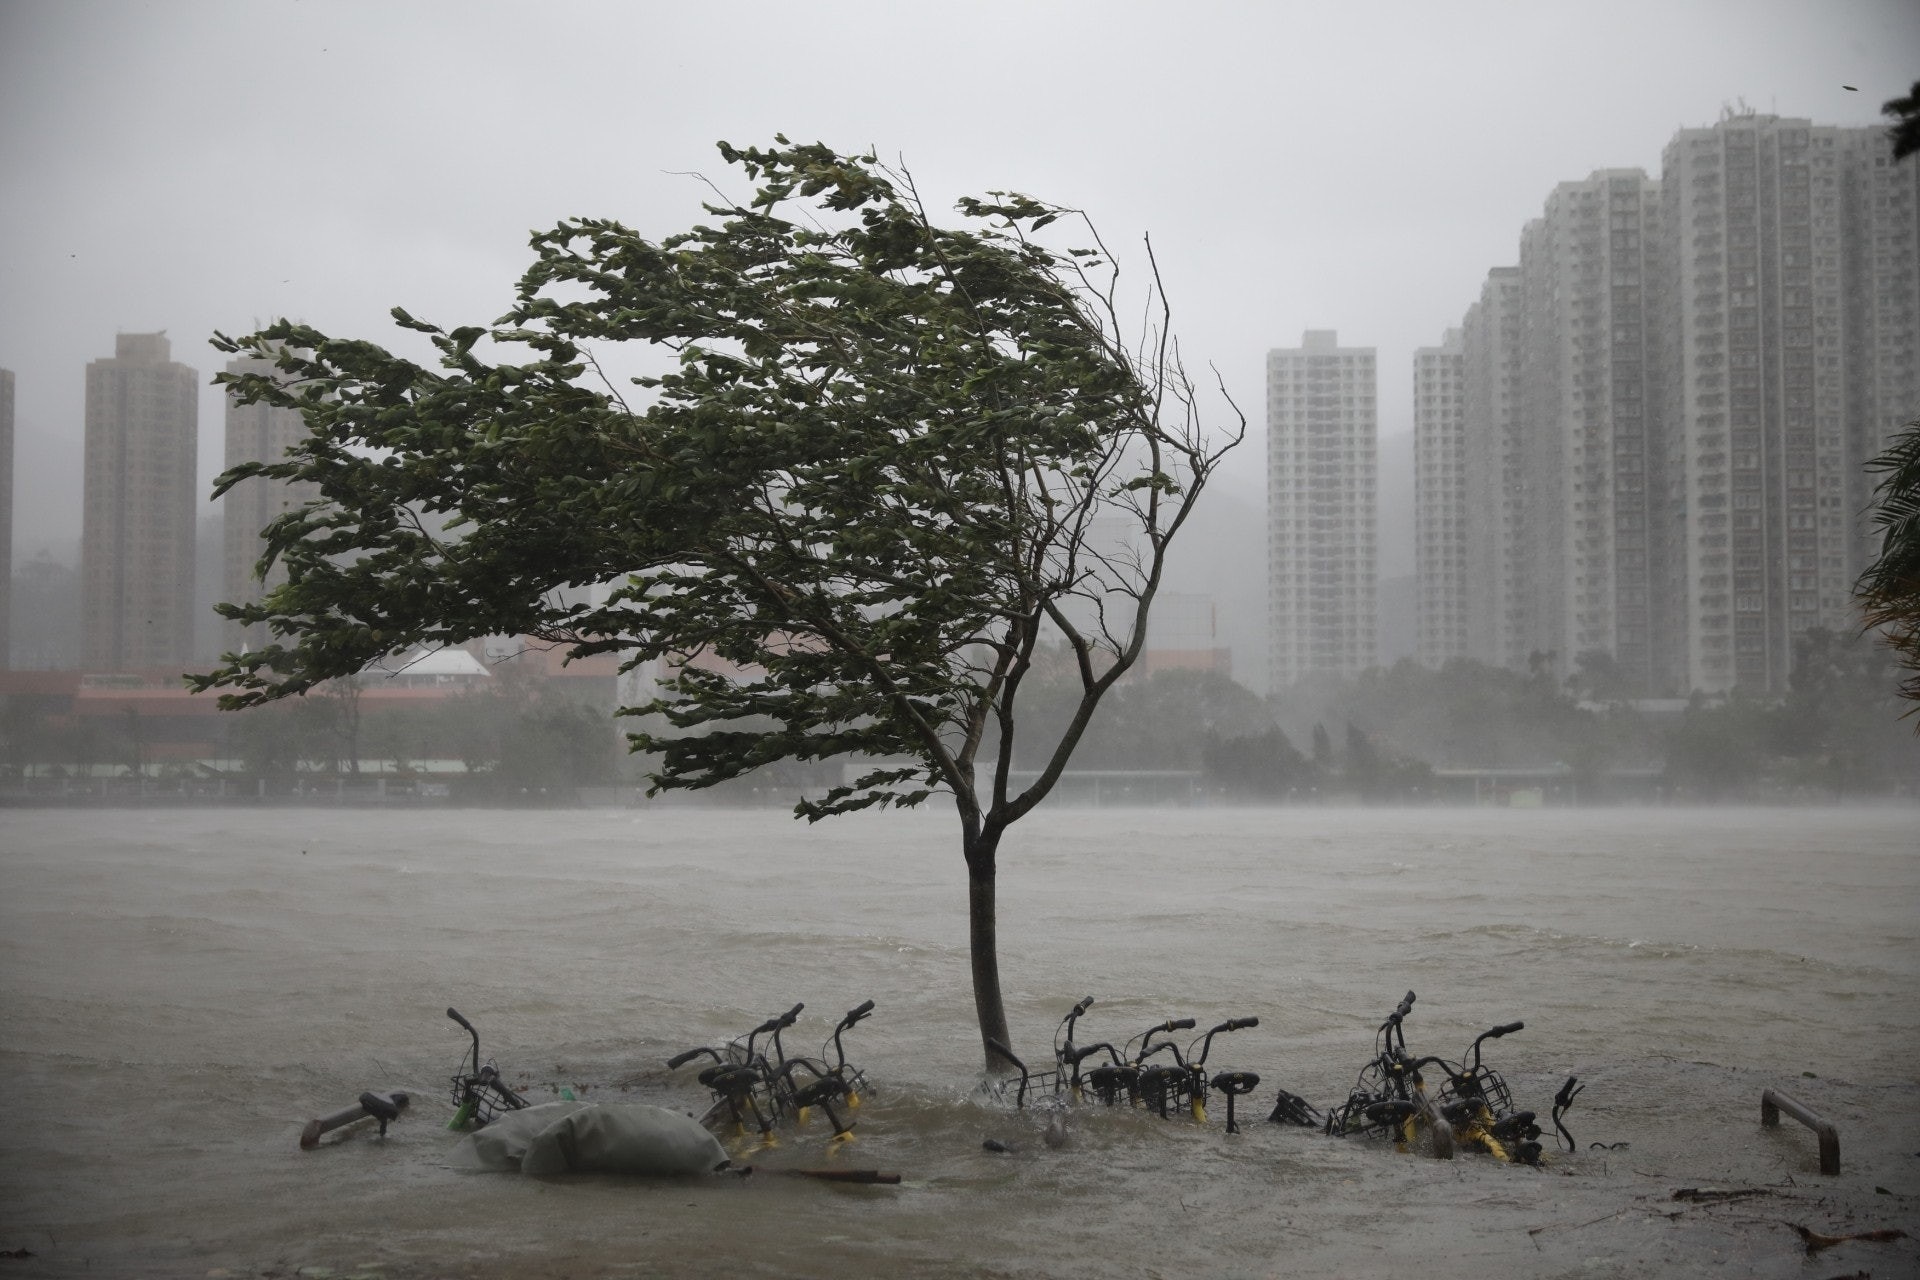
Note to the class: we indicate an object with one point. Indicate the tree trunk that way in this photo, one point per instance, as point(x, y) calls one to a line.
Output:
point(987, 1004)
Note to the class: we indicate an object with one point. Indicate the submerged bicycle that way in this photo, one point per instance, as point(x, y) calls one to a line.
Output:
point(1473, 1105)
point(1130, 1072)
point(1062, 1081)
point(1381, 1100)
point(479, 1094)
point(756, 1085)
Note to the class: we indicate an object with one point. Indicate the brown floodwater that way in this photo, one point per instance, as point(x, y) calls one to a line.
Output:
point(180, 991)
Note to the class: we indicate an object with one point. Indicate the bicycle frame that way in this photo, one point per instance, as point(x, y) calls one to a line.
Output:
point(1130, 1071)
point(1476, 1101)
point(840, 1082)
point(1473, 1104)
point(1231, 1084)
point(756, 1085)
point(1064, 1078)
point(1383, 1098)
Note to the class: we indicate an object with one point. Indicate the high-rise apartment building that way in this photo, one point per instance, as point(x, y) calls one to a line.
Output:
point(1586, 389)
point(1883, 273)
point(136, 557)
point(1440, 501)
point(1671, 400)
point(1556, 555)
point(1500, 597)
point(6, 517)
point(255, 433)
point(1322, 423)
point(1793, 351)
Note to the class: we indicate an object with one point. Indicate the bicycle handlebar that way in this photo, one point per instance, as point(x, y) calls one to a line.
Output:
point(1413, 1065)
point(455, 1015)
point(1145, 1039)
point(1074, 1056)
point(1494, 1033)
point(679, 1060)
point(780, 1023)
point(489, 1076)
point(853, 1017)
point(1206, 1042)
point(1020, 1098)
point(1063, 1035)
point(1561, 1101)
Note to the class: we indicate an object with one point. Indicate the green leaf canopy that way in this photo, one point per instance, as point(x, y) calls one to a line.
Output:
point(878, 463)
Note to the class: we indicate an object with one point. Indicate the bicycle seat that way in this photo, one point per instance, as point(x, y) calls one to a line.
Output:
point(1108, 1082)
point(820, 1091)
point(1391, 1112)
point(1235, 1083)
point(737, 1078)
point(1518, 1124)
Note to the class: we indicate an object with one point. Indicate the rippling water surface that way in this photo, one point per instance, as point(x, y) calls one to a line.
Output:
point(181, 991)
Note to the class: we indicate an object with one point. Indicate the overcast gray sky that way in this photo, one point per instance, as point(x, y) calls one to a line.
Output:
point(200, 166)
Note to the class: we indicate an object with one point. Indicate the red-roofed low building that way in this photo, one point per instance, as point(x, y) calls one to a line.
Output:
point(420, 711)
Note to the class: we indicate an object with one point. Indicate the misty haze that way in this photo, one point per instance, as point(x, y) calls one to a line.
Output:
point(1158, 580)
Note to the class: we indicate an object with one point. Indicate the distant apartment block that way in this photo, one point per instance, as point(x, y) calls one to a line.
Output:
point(136, 558)
point(1322, 421)
point(6, 516)
point(1668, 405)
point(1440, 501)
point(1883, 333)
point(1587, 320)
point(1500, 597)
point(255, 433)
point(1793, 352)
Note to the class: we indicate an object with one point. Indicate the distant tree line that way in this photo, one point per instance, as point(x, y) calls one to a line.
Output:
point(1378, 736)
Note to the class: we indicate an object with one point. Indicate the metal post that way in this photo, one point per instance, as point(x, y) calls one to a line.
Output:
point(1773, 1102)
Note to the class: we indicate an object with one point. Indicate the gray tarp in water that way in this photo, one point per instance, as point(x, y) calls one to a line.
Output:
point(593, 1137)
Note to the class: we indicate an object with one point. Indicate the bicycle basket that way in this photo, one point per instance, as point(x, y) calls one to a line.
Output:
point(1166, 1089)
point(1376, 1115)
point(479, 1098)
point(1033, 1086)
point(1485, 1085)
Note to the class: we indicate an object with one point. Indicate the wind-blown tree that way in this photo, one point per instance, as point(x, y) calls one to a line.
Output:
point(889, 459)
point(1904, 132)
point(1889, 589)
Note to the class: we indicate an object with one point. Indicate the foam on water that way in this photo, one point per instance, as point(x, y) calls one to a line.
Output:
point(182, 990)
